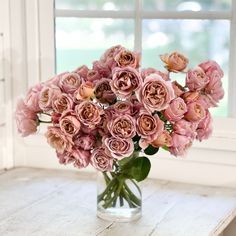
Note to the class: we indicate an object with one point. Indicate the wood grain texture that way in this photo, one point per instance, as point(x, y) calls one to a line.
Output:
point(52, 202)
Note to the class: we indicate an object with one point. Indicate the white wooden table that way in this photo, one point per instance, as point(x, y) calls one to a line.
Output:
point(63, 203)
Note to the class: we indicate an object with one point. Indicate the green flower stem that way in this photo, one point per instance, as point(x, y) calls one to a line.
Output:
point(100, 196)
point(134, 199)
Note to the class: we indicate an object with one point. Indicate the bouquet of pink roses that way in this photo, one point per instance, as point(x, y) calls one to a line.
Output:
point(106, 116)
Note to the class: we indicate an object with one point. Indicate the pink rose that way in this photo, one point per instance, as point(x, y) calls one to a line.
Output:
point(127, 58)
point(149, 71)
point(103, 69)
point(178, 89)
point(122, 126)
point(62, 103)
point(196, 79)
point(119, 148)
point(70, 82)
point(32, 98)
point(85, 91)
point(185, 128)
point(55, 118)
point(88, 113)
point(125, 81)
point(103, 91)
point(82, 71)
point(93, 76)
point(164, 139)
point(148, 127)
point(190, 97)
point(85, 141)
point(210, 66)
point(204, 128)
point(180, 144)
point(136, 106)
point(26, 119)
point(123, 107)
point(175, 61)
point(156, 93)
point(105, 118)
point(69, 124)
point(55, 80)
point(101, 160)
point(80, 158)
point(47, 96)
point(58, 140)
point(196, 112)
point(176, 110)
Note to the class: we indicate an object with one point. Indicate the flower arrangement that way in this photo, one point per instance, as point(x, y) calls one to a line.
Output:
point(113, 115)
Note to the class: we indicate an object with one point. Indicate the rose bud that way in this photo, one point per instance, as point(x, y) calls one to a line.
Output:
point(175, 61)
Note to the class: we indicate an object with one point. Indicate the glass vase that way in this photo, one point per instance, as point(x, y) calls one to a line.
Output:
point(118, 198)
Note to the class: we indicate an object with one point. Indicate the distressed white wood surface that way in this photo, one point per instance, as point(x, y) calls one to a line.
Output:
point(52, 202)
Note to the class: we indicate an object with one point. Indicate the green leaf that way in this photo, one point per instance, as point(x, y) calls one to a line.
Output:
point(165, 148)
point(136, 138)
point(139, 170)
point(150, 150)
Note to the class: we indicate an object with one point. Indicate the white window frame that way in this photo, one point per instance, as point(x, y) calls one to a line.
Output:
point(214, 155)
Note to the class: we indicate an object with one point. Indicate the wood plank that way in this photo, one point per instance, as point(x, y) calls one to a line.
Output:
point(48, 202)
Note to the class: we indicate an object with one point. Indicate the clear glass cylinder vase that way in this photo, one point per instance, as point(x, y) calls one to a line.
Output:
point(118, 198)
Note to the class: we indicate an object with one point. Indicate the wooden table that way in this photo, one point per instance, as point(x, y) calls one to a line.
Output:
point(63, 203)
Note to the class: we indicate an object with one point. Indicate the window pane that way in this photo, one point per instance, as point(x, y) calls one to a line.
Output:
point(81, 41)
point(191, 5)
point(95, 4)
point(200, 40)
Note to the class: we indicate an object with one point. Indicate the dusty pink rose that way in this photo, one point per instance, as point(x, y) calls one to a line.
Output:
point(103, 91)
point(176, 110)
point(175, 61)
point(109, 55)
point(164, 139)
point(180, 144)
point(119, 148)
point(55, 118)
point(26, 119)
point(85, 141)
point(62, 103)
point(156, 93)
point(204, 128)
point(125, 81)
point(80, 158)
point(105, 118)
point(196, 112)
point(122, 126)
point(190, 97)
point(136, 106)
point(196, 79)
point(82, 71)
point(123, 107)
point(148, 127)
point(127, 58)
point(70, 82)
point(101, 160)
point(102, 68)
point(47, 96)
point(185, 128)
point(93, 76)
point(69, 123)
point(210, 66)
point(85, 91)
point(148, 71)
point(178, 89)
point(32, 97)
point(58, 140)
point(88, 113)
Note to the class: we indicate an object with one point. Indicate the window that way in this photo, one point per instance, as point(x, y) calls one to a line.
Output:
point(198, 28)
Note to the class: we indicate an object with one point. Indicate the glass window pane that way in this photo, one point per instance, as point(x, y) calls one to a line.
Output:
point(191, 5)
point(95, 4)
point(81, 41)
point(199, 40)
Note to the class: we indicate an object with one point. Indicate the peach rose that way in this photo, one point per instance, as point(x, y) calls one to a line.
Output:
point(70, 82)
point(125, 81)
point(190, 97)
point(164, 139)
point(85, 91)
point(58, 140)
point(156, 93)
point(122, 126)
point(119, 148)
point(174, 62)
point(88, 113)
point(196, 112)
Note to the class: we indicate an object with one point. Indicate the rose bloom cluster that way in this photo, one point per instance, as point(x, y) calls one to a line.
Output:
point(107, 112)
